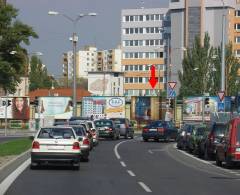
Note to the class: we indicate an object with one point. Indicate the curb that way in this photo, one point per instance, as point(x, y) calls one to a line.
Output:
point(13, 164)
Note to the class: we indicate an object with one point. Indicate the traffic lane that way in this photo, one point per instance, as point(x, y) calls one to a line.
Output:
point(9, 138)
point(102, 175)
point(165, 175)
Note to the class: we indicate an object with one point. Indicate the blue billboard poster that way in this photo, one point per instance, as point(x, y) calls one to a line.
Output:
point(143, 108)
point(193, 106)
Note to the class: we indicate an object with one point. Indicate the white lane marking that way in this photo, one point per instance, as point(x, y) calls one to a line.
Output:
point(123, 164)
point(10, 179)
point(131, 173)
point(238, 174)
point(144, 186)
point(116, 149)
point(150, 151)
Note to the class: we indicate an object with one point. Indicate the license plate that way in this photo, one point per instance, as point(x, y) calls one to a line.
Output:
point(237, 149)
point(55, 147)
point(152, 129)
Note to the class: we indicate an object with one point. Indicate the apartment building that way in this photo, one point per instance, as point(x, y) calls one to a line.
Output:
point(143, 33)
point(109, 60)
point(190, 18)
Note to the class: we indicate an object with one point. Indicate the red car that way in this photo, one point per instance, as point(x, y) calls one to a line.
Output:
point(228, 150)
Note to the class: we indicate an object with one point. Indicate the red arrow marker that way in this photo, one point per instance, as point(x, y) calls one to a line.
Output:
point(153, 79)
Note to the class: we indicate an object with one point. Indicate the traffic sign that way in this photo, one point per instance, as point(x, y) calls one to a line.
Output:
point(221, 107)
point(172, 84)
point(172, 93)
point(221, 95)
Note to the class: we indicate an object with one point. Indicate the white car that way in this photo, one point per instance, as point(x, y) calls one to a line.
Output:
point(56, 145)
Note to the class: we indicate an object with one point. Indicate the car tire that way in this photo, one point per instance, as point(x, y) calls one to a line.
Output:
point(76, 166)
point(132, 136)
point(218, 161)
point(145, 139)
point(126, 136)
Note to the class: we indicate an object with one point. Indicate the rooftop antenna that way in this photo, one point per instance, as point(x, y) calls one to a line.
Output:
point(142, 4)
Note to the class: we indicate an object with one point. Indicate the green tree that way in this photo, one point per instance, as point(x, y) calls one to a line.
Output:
point(39, 77)
point(197, 65)
point(13, 35)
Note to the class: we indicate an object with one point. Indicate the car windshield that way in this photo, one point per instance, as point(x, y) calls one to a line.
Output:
point(219, 129)
point(103, 123)
point(56, 133)
point(79, 130)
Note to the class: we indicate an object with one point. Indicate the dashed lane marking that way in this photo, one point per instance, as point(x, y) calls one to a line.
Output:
point(123, 164)
point(131, 173)
point(144, 186)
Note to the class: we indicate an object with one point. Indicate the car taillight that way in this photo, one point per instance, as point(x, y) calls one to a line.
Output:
point(86, 142)
point(160, 129)
point(145, 130)
point(35, 145)
point(76, 146)
point(109, 129)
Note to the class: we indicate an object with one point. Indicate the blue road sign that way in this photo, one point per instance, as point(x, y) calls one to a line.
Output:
point(172, 94)
point(221, 107)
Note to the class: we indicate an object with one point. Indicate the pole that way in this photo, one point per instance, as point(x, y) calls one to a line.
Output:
point(223, 51)
point(74, 40)
point(168, 77)
point(203, 108)
point(6, 122)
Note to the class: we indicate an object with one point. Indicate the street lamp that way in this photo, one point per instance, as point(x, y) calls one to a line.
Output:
point(223, 50)
point(74, 40)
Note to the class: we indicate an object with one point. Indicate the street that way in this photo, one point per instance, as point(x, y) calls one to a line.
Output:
point(131, 167)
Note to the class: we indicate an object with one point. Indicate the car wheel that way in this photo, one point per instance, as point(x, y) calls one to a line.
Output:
point(76, 166)
point(114, 137)
point(229, 163)
point(145, 139)
point(132, 136)
point(126, 136)
point(218, 162)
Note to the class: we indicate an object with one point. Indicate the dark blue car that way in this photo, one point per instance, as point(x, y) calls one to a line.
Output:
point(160, 130)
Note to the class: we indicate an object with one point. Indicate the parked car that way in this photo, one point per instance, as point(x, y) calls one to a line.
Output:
point(160, 130)
point(55, 145)
point(107, 128)
point(207, 145)
point(195, 138)
point(87, 129)
point(126, 128)
point(184, 134)
point(228, 150)
point(83, 140)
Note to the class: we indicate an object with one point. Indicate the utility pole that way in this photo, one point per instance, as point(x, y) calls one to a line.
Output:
point(223, 50)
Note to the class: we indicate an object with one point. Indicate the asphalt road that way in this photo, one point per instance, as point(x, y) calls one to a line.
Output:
point(131, 167)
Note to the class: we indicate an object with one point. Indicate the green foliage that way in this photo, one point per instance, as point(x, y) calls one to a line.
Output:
point(202, 70)
point(13, 34)
point(38, 76)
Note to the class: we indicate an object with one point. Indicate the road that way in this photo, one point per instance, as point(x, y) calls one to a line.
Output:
point(131, 167)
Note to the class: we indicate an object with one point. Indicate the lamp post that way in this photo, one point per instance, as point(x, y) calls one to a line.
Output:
point(74, 40)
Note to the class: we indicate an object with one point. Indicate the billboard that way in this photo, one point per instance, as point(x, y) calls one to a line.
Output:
point(57, 107)
point(192, 107)
point(145, 108)
point(17, 108)
point(101, 107)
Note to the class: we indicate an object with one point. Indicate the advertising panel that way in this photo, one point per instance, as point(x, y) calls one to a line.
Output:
point(101, 107)
point(57, 107)
point(145, 108)
point(192, 107)
point(17, 108)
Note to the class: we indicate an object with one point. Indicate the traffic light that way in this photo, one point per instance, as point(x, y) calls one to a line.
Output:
point(36, 102)
point(171, 103)
point(206, 101)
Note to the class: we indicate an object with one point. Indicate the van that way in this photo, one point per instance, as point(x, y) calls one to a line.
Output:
point(228, 150)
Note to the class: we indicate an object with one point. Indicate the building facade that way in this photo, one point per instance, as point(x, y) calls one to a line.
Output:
point(105, 83)
point(143, 44)
point(191, 18)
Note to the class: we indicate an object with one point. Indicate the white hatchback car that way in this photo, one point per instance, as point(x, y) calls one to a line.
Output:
point(55, 145)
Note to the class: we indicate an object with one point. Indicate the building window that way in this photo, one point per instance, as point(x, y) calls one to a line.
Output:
point(237, 39)
point(237, 27)
point(126, 79)
point(140, 67)
point(237, 13)
point(136, 67)
point(130, 79)
point(126, 67)
point(135, 79)
point(140, 79)
point(238, 52)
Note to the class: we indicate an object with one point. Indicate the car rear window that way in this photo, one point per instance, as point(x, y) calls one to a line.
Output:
point(238, 133)
point(156, 124)
point(118, 121)
point(103, 123)
point(219, 129)
point(79, 131)
point(56, 133)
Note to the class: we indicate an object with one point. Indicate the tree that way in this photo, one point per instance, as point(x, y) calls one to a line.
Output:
point(39, 77)
point(197, 64)
point(13, 34)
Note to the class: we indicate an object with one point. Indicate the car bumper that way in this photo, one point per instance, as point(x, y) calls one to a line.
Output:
point(153, 135)
point(106, 134)
point(55, 157)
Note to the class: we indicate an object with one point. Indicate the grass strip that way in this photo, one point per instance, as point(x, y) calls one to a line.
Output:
point(15, 147)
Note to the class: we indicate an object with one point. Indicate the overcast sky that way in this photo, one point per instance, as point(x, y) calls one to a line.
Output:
point(54, 31)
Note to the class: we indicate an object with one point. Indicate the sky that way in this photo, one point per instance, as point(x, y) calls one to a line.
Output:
point(102, 31)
